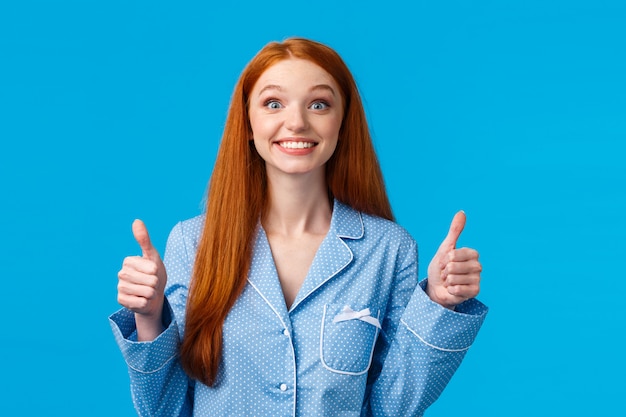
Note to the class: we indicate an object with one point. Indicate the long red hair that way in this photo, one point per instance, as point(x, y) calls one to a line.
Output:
point(237, 197)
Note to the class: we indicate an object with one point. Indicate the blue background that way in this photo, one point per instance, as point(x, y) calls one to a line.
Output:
point(514, 111)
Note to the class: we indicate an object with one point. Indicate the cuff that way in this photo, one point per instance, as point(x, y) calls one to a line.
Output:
point(439, 327)
point(145, 357)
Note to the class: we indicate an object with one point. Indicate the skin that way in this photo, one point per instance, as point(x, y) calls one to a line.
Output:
point(295, 101)
point(141, 285)
point(454, 274)
point(295, 115)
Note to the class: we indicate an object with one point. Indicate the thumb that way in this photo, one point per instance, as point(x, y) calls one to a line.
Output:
point(143, 238)
point(456, 227)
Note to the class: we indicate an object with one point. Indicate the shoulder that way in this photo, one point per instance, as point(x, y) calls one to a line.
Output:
point(369, 229)
point(377, 227)
point(192, 226)
point(186, 233)
point(394, 240)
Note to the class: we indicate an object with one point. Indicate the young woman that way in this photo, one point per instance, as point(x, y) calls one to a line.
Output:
point(295, 294)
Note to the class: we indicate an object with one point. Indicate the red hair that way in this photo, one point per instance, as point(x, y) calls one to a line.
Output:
point(237, 198)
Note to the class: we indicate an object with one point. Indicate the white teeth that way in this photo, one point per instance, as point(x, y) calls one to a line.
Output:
point(297, 145)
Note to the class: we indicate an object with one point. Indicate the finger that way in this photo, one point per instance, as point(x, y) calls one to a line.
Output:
point(134, 290)
point(138, 278)
point(465, 267)
point(456, 227)
point(462, 255)
point(139, 264)
point(464, 292)
point(143, 238)
point(462, 279)
point(131, 302)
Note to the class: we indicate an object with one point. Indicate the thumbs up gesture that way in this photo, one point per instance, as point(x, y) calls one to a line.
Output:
point(454, 274)
point(141, 284)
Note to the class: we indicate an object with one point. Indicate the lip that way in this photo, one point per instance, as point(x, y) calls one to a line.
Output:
point(296, 150)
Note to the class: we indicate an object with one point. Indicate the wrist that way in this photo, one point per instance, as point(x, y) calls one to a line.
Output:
point(433, 296)
point(149, 326)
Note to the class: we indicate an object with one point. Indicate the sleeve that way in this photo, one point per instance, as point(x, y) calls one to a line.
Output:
point(159, 386)
point(427, 346)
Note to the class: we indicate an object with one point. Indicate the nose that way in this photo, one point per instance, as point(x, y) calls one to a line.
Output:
point(296, 119)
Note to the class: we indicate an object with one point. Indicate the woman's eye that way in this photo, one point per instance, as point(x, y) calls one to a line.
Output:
point(319, 105)
point(273, 104)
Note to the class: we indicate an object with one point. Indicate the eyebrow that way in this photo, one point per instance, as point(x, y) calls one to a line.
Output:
point(325, 87)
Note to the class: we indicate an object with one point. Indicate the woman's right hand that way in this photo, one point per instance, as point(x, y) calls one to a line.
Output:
point(141, 285)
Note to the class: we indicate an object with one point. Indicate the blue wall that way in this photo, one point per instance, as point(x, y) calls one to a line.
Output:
point(514, 111)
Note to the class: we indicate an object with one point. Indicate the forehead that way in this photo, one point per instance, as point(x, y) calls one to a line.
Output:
point(296, 72)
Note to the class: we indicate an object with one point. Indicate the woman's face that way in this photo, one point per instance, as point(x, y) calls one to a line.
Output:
point(295, 111)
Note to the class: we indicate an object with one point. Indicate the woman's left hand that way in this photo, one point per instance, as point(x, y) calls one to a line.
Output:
point(454, 274)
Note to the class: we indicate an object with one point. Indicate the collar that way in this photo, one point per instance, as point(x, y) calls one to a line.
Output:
point(331, 258)
point(346, 222)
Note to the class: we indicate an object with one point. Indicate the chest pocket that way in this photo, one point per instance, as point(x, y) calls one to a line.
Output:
point(348, 338)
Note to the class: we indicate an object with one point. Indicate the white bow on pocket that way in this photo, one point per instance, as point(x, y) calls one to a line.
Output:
point(364, 315)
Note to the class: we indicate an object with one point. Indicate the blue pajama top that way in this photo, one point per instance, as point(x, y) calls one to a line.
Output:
point(362, 338)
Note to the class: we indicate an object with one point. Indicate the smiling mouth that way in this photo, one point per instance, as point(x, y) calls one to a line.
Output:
point(296, 144)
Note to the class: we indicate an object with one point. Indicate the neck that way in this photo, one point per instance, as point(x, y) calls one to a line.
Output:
point(297, 205)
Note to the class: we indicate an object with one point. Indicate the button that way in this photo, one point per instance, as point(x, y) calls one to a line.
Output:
point(286, 332)
point(283, 387)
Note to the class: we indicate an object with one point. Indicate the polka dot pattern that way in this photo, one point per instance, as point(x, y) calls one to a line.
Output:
point(301, 361)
